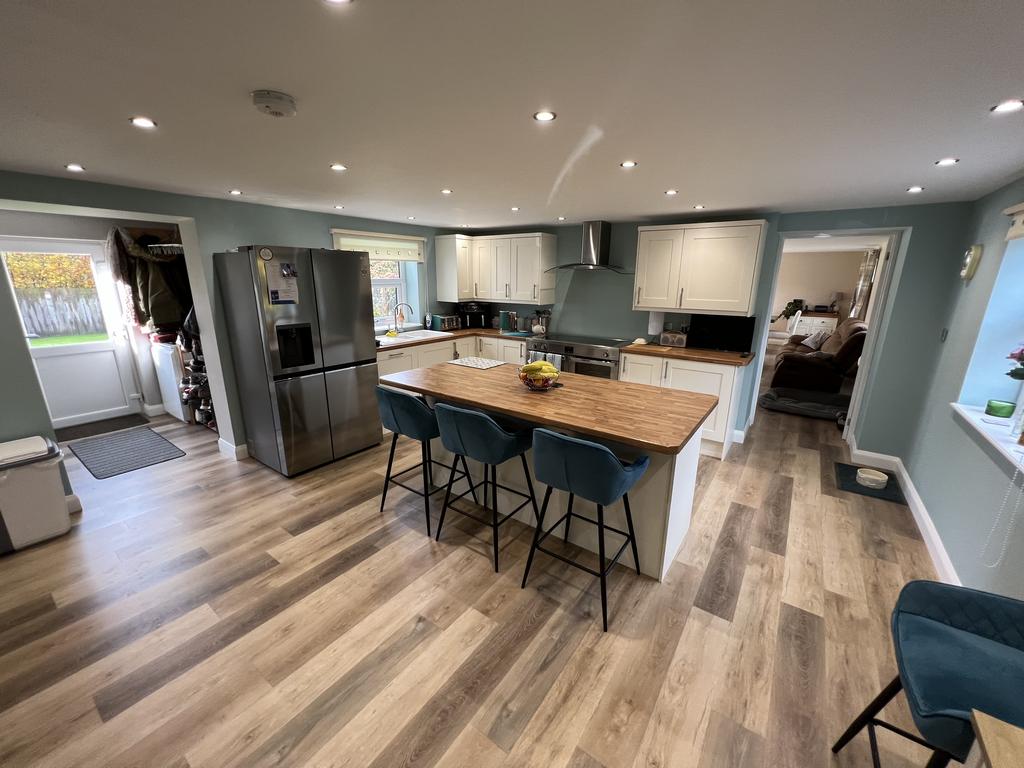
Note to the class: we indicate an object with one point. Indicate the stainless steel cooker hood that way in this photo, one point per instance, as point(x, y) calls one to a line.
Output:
point(596, 249)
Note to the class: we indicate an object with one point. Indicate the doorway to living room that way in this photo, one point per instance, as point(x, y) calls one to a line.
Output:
point(828, 309)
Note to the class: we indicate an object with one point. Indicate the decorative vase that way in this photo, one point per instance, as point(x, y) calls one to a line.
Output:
point(1017, 423)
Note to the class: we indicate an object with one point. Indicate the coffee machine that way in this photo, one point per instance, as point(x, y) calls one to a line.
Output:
point(474, 314)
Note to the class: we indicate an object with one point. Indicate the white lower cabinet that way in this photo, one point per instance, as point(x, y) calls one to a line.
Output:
point(488, 348)
point(511, 351)
point(397, 360)
point(641, 369)
point(723, 381)
point(465, 347)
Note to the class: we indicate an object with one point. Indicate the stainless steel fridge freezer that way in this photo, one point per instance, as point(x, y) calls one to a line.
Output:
point(301, 327)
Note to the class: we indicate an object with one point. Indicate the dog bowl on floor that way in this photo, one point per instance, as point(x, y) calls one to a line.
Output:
point(872, 478)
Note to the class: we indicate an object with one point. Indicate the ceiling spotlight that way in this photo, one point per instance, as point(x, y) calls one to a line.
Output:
point(235, 192)
point(628, 164)
point(464, 225)
point(338, 2)
point(143, 122)
point(947, 161)
point(561, 218)
point(914, 190)
point(698, 207)
point(75, 168)
point(338, 167)
point(411, 218)
point(823, 234)
point(446, 191)
point(544, 116)
point(515, 209)
point(671, 192)
point(1010, 105)
point(339, 207)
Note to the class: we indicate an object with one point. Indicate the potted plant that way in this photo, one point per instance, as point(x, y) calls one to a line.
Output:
point(1018, 357)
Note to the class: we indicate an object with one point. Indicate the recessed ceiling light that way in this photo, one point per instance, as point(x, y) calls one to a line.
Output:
point(75, 168)
point(338, 2)
point(544, 116)
point(143, 122)
point(698, 207)
point(1010, 105)
point(338, 167)
point(339, 207)
point(446, 191)
point(561, 218)
point(628, 163)
point(914, 190)
point(947, 161)
point(823, 234)
point(464, 225)
point(411, 218)
point(671, 192)
point(235, 192)
point(515, 209)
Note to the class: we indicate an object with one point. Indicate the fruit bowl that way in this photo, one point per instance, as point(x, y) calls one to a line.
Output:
point(538, 380)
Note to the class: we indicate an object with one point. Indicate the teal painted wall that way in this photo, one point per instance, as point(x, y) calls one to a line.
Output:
point(221, 224)
point(959, 477)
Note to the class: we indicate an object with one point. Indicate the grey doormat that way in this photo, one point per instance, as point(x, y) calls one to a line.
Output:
point(846, 480)
point(82, 431)
point(120, 452)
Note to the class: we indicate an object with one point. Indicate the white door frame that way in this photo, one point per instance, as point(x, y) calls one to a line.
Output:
point(894, 256)
point(229, 444)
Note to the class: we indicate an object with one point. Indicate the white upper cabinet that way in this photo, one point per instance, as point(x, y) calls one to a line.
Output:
point(658, 255)
point(497, 268)
point(706, 268)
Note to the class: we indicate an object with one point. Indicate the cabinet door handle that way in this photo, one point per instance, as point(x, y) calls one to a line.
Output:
point(396, 354)
point(638, 289)
point(475, 292)
point(507, 290)
point(535, 290)
point(680, 297)
point(664, 373)
point(625, 364)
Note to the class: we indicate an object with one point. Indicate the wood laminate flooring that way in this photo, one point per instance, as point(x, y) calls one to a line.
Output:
point(205, 612)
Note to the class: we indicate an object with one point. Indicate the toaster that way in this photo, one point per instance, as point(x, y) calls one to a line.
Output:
point(445, 323)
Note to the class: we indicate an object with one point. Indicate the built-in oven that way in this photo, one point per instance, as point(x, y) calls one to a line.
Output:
point(583, 355)
point(590, 366)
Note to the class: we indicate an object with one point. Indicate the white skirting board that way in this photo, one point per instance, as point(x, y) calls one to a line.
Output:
point(153, 410)
point(940, 558)
point(236, 452)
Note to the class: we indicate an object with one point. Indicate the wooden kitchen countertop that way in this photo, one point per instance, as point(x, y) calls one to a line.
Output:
point(654, 419)
point(1002, 744)
point(457, 334)
point(689, 353)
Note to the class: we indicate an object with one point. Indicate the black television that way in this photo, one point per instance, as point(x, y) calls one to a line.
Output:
point(732, 334)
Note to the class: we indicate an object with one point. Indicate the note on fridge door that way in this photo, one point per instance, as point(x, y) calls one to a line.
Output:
point(283, 284)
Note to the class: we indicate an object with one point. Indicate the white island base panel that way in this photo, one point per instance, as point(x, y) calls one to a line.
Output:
point(661, 503)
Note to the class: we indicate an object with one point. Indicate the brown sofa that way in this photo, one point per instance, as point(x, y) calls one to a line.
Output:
point(822, 370)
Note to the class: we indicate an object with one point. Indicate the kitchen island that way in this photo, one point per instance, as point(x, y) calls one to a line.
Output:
point(631, 419)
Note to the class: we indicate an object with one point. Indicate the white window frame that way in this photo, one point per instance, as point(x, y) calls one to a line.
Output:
point(386, 282)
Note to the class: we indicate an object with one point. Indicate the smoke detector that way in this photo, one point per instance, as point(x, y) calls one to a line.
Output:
point(274, 103)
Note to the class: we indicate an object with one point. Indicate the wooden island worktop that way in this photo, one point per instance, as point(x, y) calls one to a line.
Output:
point(631, 419)
point(650, 418)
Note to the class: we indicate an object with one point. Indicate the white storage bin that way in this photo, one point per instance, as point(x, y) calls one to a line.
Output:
point(32, 504)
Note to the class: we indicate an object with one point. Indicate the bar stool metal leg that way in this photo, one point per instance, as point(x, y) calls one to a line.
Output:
point(430, 463)
point(387, 475)
point(537, 535)
point(869, 713)
point(568, 517)
point(472, 485)
point(494, 513)
point(632, 535)
point(602, 567)
point(529, 486)
point(447, 498)
point(425, 466)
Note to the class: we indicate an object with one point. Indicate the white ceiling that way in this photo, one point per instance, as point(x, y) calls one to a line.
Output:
point(789, 105)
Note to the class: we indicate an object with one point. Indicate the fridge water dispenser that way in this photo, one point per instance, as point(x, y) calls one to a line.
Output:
point(295, 345)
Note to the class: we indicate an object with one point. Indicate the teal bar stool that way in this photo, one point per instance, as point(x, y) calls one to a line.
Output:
point(475, 435)
point(408, 415)
point(957, 649)
point(590, 471)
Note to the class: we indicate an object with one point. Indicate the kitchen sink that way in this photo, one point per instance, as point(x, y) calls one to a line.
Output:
point(405, 336)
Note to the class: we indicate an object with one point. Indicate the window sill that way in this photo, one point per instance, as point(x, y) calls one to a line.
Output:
point(996, 433)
